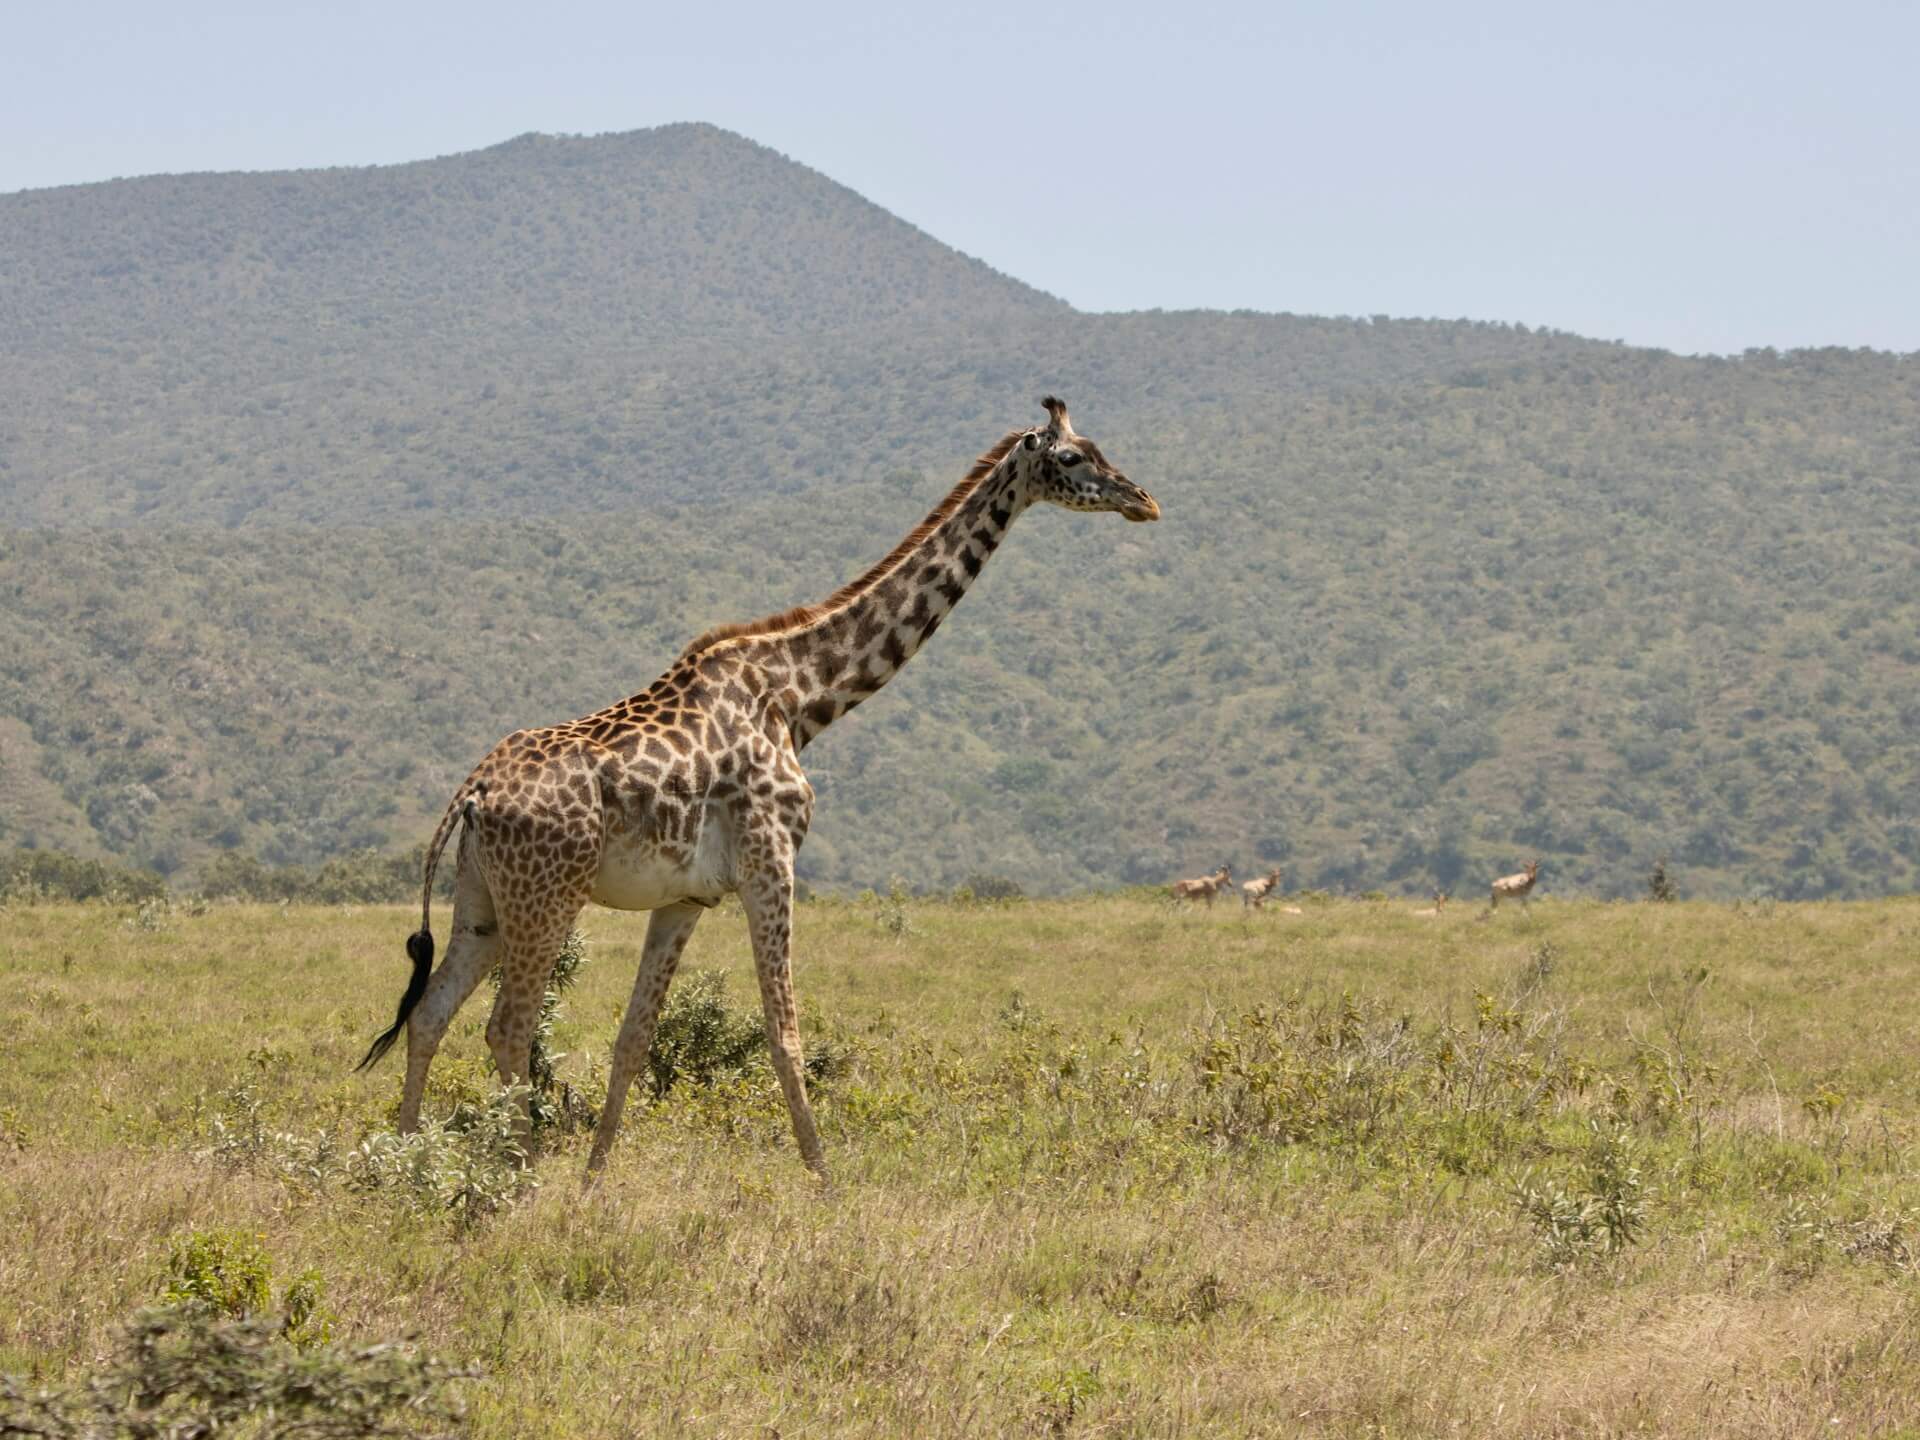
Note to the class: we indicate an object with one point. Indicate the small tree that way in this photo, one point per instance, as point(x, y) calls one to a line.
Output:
point(1660, 887)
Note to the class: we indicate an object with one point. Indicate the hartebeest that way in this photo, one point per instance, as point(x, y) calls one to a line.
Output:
point(1204, 888)
point(1515, 887)
point(1253, 894)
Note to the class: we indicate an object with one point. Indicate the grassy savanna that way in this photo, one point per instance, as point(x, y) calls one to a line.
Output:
point(1102, 1168)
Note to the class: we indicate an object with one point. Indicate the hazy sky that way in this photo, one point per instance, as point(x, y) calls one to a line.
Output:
point(1698, 176)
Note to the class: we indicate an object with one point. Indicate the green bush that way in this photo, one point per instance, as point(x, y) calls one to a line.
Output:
point(1602, 1215)
point(229, 1273)
point(226, 1270)
point(1660, 886)
point(468, 1167)
point(982, 886)
point(1351, 1076)
point(360, 877)
point(700, 1037)
point(893, 909)
point(30, 875)
point(304, 1319)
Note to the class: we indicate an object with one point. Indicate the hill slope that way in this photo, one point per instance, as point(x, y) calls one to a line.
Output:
point(558, 325)
point(1428, 596)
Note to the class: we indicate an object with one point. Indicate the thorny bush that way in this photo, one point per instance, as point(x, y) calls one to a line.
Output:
point(186, 1370)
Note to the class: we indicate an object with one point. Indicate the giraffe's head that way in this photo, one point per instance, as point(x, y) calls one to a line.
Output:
point(1068, 470)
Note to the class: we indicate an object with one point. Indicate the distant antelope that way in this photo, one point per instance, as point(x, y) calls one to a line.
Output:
point(1205, 888)
point(1515, 887)
point(1253, 894)
point(1432, 912)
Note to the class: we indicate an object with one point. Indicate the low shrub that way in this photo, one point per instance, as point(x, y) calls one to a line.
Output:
point(226, 1270)
point(229, 1273)
point(188, 1370)
point(1660, 887)
point(30, 876)
point(990, 888)
point(361, 877)
point(1602, 1214)
point(1348, 1075)
point(468, 1167)
point(701, 1037)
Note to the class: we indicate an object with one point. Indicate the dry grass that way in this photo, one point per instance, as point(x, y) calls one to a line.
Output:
point(1045, 1221)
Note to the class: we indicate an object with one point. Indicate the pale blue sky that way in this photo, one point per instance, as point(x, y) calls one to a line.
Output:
point(1703, 177)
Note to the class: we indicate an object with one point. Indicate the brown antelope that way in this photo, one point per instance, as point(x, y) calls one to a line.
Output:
point(1432, 912)
point(1253, 894)
point(1205, 888)
point(1515, 887)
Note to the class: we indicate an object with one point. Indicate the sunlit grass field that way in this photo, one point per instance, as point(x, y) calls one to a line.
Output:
point(1102, 1168)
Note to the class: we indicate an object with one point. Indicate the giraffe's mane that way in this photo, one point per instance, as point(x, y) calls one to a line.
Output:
point(801, 615)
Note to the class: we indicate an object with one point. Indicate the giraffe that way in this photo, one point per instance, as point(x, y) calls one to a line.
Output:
point(692, 789)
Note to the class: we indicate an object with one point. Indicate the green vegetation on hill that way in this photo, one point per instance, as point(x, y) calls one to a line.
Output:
point(323, 482)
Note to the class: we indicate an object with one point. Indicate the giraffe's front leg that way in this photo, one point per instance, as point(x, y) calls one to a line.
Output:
point(767, 896)
point(667, 935)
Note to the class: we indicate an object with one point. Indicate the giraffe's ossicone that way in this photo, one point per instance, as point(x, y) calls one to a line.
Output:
point(692, 789)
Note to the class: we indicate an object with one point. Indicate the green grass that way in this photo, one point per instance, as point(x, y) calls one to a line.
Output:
point(1102, 1168)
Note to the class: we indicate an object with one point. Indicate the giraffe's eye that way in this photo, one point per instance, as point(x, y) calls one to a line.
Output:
point(1070, 459)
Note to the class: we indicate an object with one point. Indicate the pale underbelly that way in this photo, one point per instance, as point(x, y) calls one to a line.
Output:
point(639, 877)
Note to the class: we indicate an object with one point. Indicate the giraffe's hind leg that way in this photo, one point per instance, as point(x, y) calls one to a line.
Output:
point(530, 945)
point(473, 950)
point(540, 856)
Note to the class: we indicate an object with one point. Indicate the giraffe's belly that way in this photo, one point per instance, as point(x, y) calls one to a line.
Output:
point(645, 874)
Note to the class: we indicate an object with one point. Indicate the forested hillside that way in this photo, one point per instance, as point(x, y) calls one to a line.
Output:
point(320, 482)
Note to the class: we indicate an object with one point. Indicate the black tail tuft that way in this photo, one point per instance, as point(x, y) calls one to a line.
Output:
point(420, 951)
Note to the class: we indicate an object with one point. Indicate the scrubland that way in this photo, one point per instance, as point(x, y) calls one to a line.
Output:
point(1101, 1168)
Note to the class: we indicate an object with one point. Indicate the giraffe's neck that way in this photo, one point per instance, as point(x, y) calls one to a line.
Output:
point(844, 656)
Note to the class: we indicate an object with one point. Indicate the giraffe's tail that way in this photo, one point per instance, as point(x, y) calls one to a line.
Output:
point(420, 943)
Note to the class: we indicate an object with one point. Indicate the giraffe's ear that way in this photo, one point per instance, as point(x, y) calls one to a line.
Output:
point(1032, 442)
point(1056, 409)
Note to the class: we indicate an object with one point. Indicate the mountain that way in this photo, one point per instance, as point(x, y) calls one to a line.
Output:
point(317, 483)
point(555, 326)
